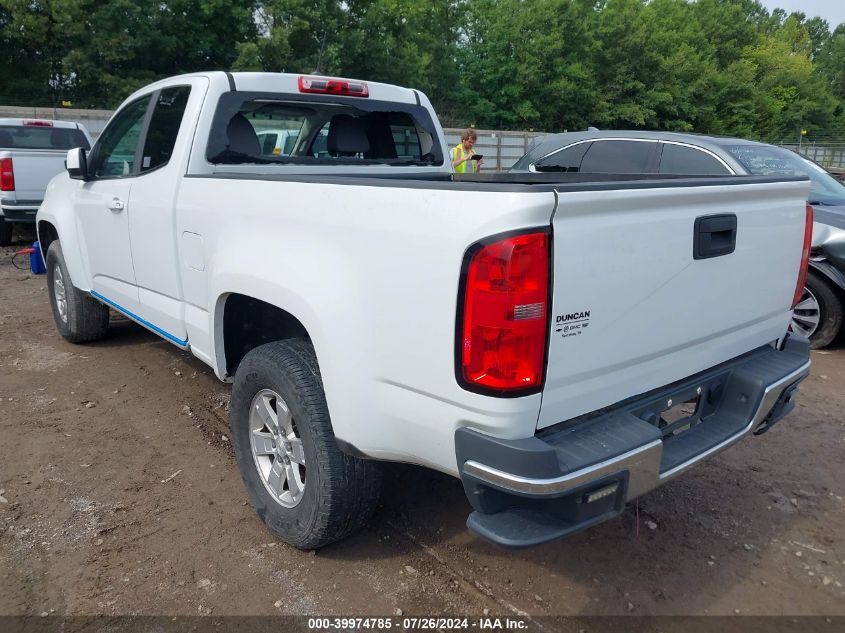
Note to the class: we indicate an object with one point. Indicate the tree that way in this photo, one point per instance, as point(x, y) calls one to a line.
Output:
point(34, 41)
point(293, 36)
point(395, 41)
point(402, 41)
point(95, 53)
point(716, 66)
point(790, 94)
point(831, 62)
point(528, 64)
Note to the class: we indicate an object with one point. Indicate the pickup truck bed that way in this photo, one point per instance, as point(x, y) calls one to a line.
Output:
point(532, 334)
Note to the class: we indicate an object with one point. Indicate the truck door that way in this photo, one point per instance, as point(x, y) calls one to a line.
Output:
point(153, 233)
point(101, 205)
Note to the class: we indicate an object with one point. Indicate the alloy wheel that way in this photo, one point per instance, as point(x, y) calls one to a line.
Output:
point(277, 448)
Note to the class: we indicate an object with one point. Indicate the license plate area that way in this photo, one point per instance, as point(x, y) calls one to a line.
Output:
point(680, 417)
point(685, 408)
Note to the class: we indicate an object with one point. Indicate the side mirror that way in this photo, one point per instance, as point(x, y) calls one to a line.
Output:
point(77, 164)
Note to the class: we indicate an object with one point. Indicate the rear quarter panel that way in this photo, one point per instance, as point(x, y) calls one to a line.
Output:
point(372, 272)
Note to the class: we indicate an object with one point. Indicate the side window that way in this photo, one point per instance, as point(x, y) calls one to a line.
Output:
point(164, 127)
point(114, 154)
point(565, 160)
point(618, 157)
point(678, 159)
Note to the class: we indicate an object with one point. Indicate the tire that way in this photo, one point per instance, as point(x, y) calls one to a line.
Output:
point(5, 232)
point(819, 314)
point(79, 317)
point(337, 492)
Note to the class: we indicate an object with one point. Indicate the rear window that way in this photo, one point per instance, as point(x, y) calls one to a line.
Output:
point(31, 137)
point(267, 128)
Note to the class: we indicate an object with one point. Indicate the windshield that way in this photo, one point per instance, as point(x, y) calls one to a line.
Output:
point(767, 161)
point(48, 137)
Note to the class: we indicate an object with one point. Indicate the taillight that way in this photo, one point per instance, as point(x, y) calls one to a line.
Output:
point(38, 123)
point(504, 324)
point(7, 175)
point(805, 257)
point(326, 85)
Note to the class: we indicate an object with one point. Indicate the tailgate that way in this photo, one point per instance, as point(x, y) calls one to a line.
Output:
point(33, 170)
point(633, 310)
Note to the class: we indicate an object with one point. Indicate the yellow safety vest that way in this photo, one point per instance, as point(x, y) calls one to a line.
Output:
point(458, 152)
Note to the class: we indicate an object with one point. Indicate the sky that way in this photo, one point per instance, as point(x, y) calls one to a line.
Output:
point(831, 10)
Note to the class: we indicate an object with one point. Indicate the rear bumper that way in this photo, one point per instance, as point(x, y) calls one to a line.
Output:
point(23, 211)
point(581, 472)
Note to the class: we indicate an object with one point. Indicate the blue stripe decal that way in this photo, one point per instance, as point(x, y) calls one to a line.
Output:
point(135, 317)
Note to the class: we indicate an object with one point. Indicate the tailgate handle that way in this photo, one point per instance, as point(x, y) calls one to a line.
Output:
point(715, 235)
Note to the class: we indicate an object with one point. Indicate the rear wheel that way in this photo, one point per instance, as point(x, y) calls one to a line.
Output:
point(819, 313)
point(79, 317)
point(5, 232)
point(302, 485)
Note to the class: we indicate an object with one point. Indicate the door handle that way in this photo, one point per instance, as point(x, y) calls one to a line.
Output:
point(714, 236)
point(116, 205)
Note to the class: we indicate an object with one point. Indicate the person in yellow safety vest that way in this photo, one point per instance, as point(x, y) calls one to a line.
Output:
point(462, 154)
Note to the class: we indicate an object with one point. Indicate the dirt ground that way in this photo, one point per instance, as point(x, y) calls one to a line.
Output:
point(119, 495)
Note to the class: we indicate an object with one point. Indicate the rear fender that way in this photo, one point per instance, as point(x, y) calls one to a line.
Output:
point(830, 271)
point(268, 292)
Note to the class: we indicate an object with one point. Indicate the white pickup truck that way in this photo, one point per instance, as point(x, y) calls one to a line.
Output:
point(32, 151)
point(561, 342)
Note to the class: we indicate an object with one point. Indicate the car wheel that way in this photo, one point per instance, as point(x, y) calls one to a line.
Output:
point(819, 314)
point(304, 488)
point(5, 232)
point(79, 317)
